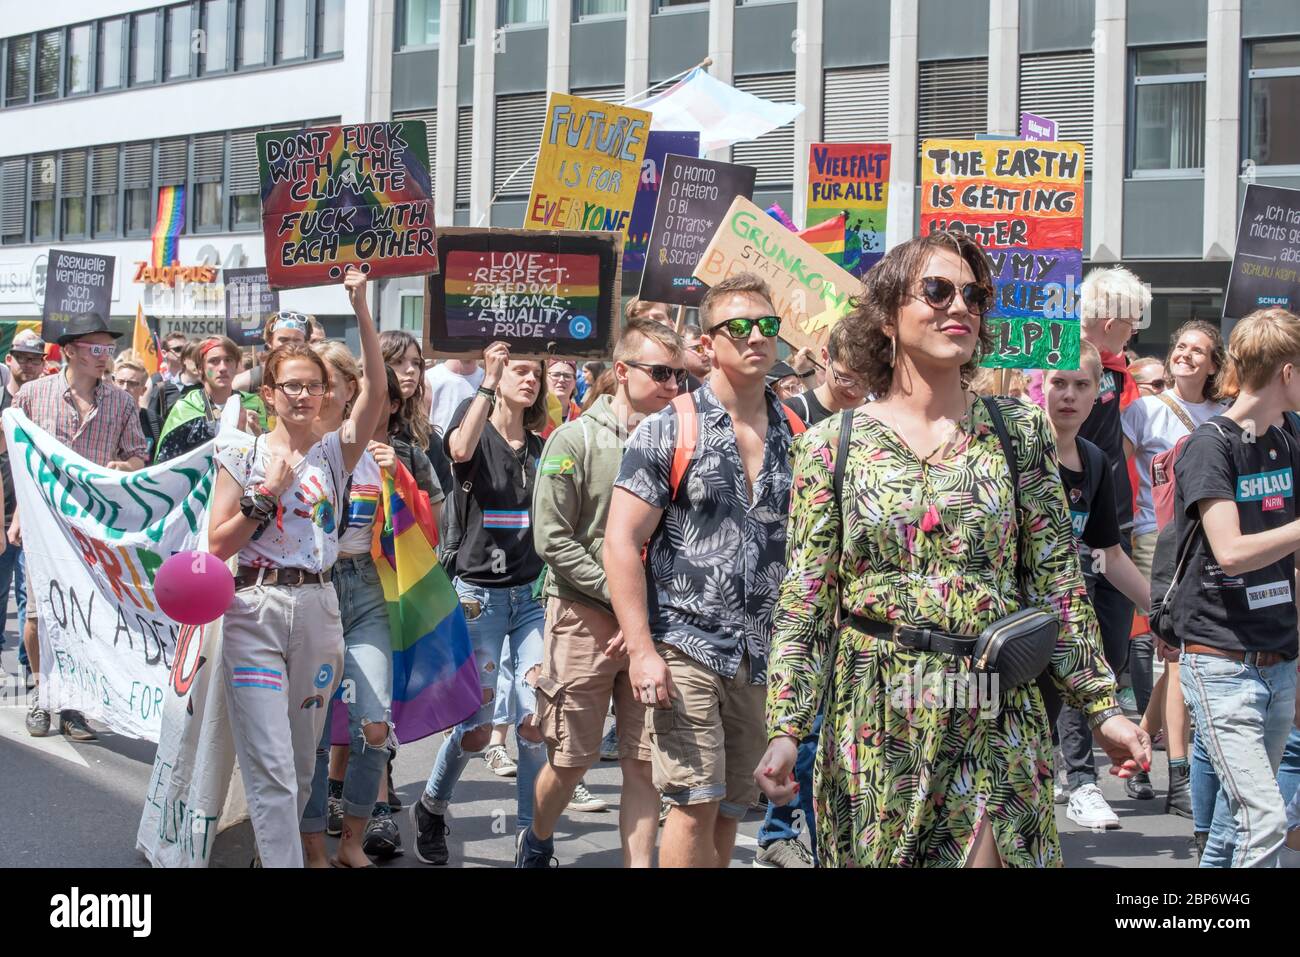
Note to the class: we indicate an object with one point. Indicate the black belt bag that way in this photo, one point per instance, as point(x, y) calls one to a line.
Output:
point(1016, 648)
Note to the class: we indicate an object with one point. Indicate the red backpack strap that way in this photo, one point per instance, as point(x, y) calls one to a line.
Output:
point(796, 423)
point(688, 435)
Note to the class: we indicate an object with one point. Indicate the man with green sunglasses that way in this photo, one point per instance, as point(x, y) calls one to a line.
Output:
point(697, 631)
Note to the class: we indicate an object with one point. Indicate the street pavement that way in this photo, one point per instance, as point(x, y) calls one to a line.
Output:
point(78, 805)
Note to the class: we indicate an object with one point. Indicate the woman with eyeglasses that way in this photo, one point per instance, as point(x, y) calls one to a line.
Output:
point(195, 416)
point(562, 383)
point(277, 506)
point(493, 444)
point(929, 543)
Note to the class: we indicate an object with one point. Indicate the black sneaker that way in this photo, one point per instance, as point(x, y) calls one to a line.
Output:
point(334, 809)
point(73, 725)
point(38, 722)
point(430, 834)
point(383, 840)
point(533, 853)
point(1139, 787)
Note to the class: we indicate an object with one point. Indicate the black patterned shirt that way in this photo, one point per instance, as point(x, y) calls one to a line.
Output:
point(715, 563)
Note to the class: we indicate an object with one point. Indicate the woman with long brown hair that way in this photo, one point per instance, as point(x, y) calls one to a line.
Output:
point(930, 543)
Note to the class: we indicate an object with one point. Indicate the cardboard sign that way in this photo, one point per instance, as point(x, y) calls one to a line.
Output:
point(809, 291)
point(337, 196)
point(1023, 203)
point(250, 301)
point(1037, 128)
point(851, 178)
point(1266, 266)
point(549, 295)
point(694, 196)
point(76, 284)
point(589, 165)
point(658, 146)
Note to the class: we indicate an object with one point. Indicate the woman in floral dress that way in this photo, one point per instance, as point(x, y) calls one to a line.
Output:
point(913, 760)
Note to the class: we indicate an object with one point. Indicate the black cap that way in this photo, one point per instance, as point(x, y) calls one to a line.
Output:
point(779, 372)
point(85, 325)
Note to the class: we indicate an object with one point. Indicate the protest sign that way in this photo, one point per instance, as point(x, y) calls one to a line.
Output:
point(250, 301)
point(588, 166)
point(1037, 128)
point(1023, 203)
point(853, 179)
point(93, 539)
point(76, 284)
point(810, 293)
point(549, 295)
point(694, 196)
point(658, 146)
point(336, 196)
point(1266, 266)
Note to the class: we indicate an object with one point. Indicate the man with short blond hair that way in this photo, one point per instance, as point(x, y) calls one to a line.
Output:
point(660, 312)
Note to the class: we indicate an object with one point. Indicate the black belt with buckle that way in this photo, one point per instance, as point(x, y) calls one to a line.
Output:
point(917, 639)
point(249, 576)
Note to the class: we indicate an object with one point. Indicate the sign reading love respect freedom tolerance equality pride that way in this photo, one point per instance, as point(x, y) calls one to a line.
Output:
point(810, 293)
point(1023, 203)
point(93, 539)
point(337, 196)
point(588, 166)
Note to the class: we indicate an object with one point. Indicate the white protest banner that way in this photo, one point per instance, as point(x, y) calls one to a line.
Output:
point(93, 540)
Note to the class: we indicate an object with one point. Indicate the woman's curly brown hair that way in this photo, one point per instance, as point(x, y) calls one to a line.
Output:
point(886, 288)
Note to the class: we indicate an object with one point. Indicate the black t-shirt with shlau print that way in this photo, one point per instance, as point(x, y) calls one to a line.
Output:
point(1254, 611)
point(1091, 496)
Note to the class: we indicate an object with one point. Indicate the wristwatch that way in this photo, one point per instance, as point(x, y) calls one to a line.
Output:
point(1101, 717)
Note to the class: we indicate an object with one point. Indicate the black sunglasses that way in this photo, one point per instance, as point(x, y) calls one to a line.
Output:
point(938, 293)
point(769, 326)
point(662, 374)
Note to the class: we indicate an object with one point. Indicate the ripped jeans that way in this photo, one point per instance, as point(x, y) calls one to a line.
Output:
point(508, 621)
point(367, 687)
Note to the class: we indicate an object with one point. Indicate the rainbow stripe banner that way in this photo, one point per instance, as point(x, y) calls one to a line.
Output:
point(435, 677)
point(167, 227)
point(827, 238)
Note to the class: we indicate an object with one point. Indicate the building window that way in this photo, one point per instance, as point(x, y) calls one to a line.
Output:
point(1168, 109)
point(664, 4)
point(72, 193)
point(329, 27)
point(209, 164)
point(420, 23)
point(179, 29)
point(216, 26)
point(109, 65)
point(467, 17)
point(252, 33)
point(13, 200)
point(1059, 86)
point(49, 50)
point(952, 99)
point(601, 8)
point(1274, 132)
point(80, 40)
point(44, 175)
point(137, 188)
point(413, 313)
point(18, 71)
point(518, 12)
point(144, 48)
point(243, 183)
point(290, 30)
point(103, 189)
point(772, 154)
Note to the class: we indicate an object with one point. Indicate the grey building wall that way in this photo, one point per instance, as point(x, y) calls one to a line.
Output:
point(1268, 18)
point(764, 39)
point(1167, 21)
point(1163, 218)
point(597, 53)
point(415, 80)
point(465, 75)
point(952, 29)
point(521, 66)
point(1048, 25)
point(678, 41)
point(855, 33)
point(508, 215)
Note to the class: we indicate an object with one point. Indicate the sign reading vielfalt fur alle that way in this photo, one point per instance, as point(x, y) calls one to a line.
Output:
point(588, 166)
point(338, 196)
point(76, 284)
point(851, 178)
point(93, 539)
point(1023, 203)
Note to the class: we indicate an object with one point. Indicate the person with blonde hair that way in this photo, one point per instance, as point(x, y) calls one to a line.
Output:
point(660, 312)
point(1149, 374)
point(1232, 602)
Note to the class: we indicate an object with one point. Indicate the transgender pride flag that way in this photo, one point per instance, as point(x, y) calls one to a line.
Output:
point(435, 678)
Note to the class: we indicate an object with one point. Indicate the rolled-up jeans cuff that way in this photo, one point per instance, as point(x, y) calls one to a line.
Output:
point(312, 825)
point(733, 811)
point(701, 794)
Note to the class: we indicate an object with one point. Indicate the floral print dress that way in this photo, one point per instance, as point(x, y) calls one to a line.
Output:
point(901, 779)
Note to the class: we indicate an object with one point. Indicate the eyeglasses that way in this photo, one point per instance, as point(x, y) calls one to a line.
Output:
point(662, 374)
point(291, 320)
point(295, 389)
point(173, 350)
point(849, 383)
point(740, 328)
point(562, 376)
point(98, 350)
point(697, 348)
point(28, 358)
point(1156, 385)
point(938, 293)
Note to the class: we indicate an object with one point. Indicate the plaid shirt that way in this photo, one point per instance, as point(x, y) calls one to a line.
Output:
point(111, 433)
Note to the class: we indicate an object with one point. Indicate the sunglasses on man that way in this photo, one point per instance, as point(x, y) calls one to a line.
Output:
point(740, 329)
point(938, 293)
point(662, 374)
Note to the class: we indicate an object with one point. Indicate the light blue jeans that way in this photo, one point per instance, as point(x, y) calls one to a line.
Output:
point(1211, 807)
point(367, 687)
point(1244, 713)
point(510, 615)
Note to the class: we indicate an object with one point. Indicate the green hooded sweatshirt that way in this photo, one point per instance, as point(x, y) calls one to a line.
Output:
point(575, 483)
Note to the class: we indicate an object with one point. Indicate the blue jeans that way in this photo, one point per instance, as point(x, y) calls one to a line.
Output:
point(781, 823)
point(367, 687)
point(1210, 809)
point(12, 571)
point(1244, 714)
point(513, 617)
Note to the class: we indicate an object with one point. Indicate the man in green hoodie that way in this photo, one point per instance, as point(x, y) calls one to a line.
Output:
point(584, 661)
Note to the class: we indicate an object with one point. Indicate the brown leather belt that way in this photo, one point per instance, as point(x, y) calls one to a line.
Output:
point(1261, 659)
point(248, 577)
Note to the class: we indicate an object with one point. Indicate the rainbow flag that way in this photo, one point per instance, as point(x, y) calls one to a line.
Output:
point(827, 238)
point(781, 216)
point(435, 677)
point(167, 227)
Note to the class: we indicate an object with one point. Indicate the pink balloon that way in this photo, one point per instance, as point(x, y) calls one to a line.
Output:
point(194, 588)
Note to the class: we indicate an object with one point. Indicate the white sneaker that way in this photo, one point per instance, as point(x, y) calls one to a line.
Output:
point(584, 800)
point(1088, 808)
point(496, 758)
